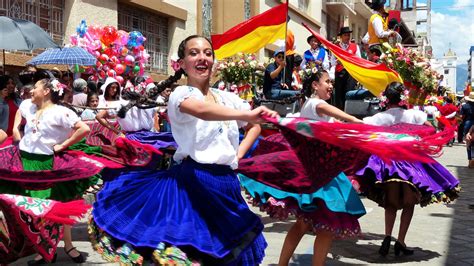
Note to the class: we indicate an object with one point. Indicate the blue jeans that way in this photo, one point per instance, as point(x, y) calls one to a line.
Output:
point(359, 94)
point(276, 94)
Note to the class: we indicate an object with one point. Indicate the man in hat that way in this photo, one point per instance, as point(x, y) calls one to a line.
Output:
point(378, 31)
point(343, 81)
point(316, 54)
point(274, 85)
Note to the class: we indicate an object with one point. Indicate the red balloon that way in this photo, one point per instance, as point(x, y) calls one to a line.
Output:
point(109, 34)
point(103, 57)
point(119, 79)
point(111, 73)
point(119, 68)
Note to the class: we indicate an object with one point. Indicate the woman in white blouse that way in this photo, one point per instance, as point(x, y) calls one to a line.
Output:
point(197, 204)
point(50, 128)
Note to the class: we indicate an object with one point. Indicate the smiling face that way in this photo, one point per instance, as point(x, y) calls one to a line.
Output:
point(112, 91)
point(39, 92)
point(10, 86)
point(345, 38)
point(314, 43)
point(323, 87)
point(198, 60)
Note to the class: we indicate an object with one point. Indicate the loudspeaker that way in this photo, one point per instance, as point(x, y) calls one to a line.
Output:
point(362, 108)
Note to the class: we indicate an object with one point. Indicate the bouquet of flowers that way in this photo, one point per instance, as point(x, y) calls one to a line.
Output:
point(414, 69)
point(239, 71)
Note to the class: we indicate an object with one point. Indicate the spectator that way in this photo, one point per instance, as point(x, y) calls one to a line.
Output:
point(274, 86)
point(80, 91)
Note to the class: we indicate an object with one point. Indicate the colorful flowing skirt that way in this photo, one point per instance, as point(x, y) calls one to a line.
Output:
point(195, 207)
point(63, 177)
point(432, 181)
point(31, 225)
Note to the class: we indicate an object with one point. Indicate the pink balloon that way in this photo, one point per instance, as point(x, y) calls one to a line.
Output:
point(119, 79)
point(129, 60)
point(96, 54)
point(119, 68)
point(73, 39)
point(104, 57)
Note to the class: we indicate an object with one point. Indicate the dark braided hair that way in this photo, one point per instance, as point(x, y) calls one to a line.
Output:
point(393, 92)
point(307, 84)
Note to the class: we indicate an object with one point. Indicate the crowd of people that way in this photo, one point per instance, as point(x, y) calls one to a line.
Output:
point(70, 136)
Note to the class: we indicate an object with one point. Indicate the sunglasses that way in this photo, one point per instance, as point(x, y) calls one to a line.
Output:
point(279, 56)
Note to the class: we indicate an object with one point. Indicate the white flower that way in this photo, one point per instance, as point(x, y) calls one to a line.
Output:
point(57, 87)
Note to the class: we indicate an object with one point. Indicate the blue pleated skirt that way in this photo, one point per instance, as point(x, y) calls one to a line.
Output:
point(196, 207)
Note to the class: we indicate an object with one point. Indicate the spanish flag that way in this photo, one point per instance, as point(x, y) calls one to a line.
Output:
point(374, 77)
point(251, 35)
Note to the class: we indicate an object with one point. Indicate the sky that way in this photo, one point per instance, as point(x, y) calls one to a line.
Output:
point(452, 25)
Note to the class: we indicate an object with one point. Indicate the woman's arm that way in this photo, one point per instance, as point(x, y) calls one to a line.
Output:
point(252, 131)
point(156, 121)
point(102, 119)
point(3, 136)
point(16, 126)
point(216, 112)
point(332, 111)
point(81, 130)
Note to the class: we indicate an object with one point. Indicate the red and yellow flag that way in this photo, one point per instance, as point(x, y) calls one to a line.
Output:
point(253, 34)
point(374, 77)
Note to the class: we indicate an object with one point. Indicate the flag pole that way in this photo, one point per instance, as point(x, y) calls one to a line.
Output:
point(284, 52)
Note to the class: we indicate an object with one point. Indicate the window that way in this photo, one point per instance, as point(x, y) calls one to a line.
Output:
point(155, 29)
point(48, 14)
point(407, 4)
point(303, 5)
point(446, 71)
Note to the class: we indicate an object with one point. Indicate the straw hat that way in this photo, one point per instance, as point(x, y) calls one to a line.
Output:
point(470, 98)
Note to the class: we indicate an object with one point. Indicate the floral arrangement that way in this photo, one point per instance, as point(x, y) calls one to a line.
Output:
point(311, 68)
point(413, 67)
point(240, 69)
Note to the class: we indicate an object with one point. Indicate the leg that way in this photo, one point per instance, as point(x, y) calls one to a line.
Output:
point(293, 237)
point(67, 238)
point(322, 244)
point(392, 203)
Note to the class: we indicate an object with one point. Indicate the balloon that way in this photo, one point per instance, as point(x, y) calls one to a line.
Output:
point(135, 38)
point(105, 67)
point(94, 31)
point(109, 35)
point(122, 38)
point(98, 64)
point(109, 51)
point(76, 68)
point(111, 73)
point(73, 39)
point(102, 74)
point(103, 57)
point(82, 28)
point(124, 51)
point(129, 60)
point(96, 54)
point(119, 79)
point(136, 69)
point(119, 68)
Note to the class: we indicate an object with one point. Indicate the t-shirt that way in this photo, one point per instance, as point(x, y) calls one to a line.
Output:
point(52, 127)
point(208, 142)
point(396, 116)
point(309, 110)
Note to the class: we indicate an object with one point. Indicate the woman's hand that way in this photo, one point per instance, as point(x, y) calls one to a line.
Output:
point(255, 115)
point(58, 148)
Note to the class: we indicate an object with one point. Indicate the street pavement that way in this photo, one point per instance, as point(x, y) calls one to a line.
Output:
point(440, 234)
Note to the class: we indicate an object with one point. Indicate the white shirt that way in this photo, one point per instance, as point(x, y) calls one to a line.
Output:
point(208, 142)
point(137, 119)
point(315, 52)
point(309, 110)
point(52, 127)
point(396, 116)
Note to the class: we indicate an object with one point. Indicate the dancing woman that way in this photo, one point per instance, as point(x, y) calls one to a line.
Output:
point(332, 209)
point(400, 184)
point(196, 205)
point(47, 132)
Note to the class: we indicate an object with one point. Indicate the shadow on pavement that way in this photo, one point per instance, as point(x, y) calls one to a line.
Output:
point(461, 237)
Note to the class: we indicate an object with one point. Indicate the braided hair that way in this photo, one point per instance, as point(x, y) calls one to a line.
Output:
point(307, 84)
point(393, 92)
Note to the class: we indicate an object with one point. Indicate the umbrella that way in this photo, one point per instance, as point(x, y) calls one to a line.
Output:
point(64, 56)
point(20, 34)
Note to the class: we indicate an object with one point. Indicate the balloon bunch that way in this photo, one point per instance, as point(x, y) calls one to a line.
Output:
point(118, 52)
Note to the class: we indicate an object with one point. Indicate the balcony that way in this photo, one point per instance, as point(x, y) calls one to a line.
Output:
point(363, 9)
point(340, 7)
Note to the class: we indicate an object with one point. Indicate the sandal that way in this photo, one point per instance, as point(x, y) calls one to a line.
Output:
point(78, 259)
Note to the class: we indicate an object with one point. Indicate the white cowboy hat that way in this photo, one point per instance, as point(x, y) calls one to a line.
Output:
point(470, 97)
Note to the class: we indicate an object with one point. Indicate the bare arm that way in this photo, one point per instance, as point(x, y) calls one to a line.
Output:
point(329, 110)
point(252, 131)
point(16, 127)
point(81, 130)
point(102, 117)
point(216, 112)
point(3, 136)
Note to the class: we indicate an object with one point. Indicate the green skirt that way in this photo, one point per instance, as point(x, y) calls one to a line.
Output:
point(61, 191)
